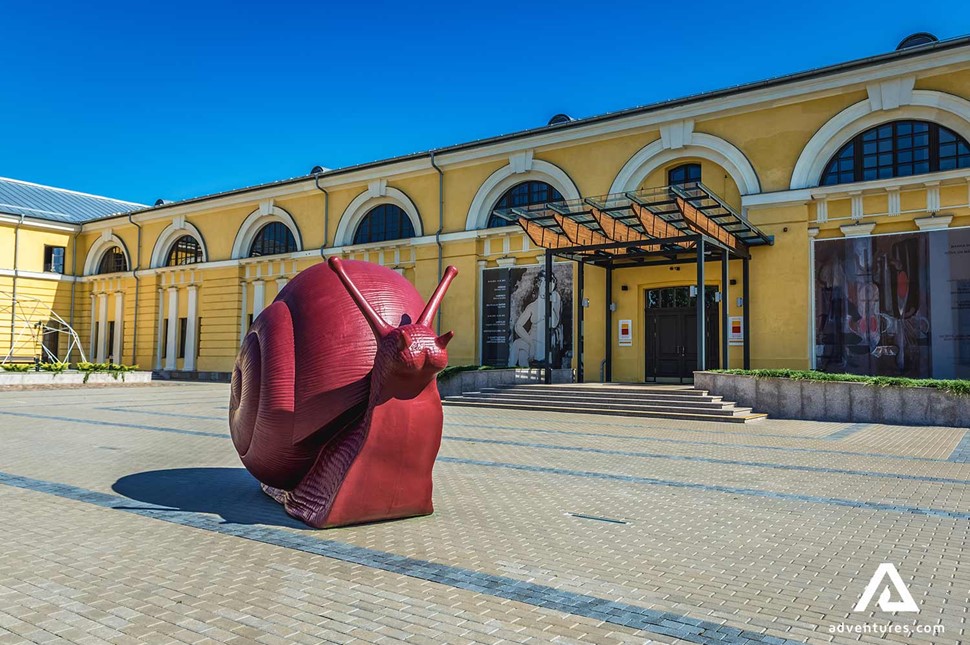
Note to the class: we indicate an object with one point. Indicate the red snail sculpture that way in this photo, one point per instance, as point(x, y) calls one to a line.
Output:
point(335, 410)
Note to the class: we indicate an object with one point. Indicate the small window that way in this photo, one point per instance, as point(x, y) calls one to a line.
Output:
point(687, 173)
point(113, 261)
point(165, 338)
point(897, 149)
point(273, 239)
point(186, 250)
point(183, 327)
point(528, 193)
point(53, 259)
point(198, 338)
point(383, 223)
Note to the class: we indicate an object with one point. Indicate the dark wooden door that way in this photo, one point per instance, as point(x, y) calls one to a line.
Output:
point(671, 342)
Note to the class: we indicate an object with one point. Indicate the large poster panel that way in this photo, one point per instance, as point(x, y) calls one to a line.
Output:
point(513, 316)
point(894, 305)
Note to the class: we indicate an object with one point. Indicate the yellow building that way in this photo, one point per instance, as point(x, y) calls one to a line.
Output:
point(857, 175)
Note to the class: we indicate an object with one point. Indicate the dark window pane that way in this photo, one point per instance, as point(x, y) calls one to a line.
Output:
point(113, 261)
point(528, 193)
point(273, 239)
point(186, 250)
point(384, 222)
point(897, 149)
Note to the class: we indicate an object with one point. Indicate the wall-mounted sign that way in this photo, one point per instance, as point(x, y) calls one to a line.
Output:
point(626, 333)
point(736, 330)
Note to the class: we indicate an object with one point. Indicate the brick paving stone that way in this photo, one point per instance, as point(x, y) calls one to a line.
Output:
point(128, 518)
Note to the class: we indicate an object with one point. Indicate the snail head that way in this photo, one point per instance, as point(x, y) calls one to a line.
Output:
point(415, 348)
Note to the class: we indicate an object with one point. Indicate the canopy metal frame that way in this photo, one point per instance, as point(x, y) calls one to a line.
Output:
point(679, 224)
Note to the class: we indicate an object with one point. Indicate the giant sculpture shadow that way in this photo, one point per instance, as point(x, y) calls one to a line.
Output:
point(333, 408)
point(229, 493)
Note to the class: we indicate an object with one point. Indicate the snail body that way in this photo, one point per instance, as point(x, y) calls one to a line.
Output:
point(332, 408)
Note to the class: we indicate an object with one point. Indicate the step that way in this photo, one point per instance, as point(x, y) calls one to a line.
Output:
point(670, 414)
point(606, 408)
point(601, 395)
point(678, 391)
point(592, 401)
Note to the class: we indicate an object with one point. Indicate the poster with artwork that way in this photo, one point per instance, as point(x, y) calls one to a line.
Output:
point(513, 316)
point(894, 305)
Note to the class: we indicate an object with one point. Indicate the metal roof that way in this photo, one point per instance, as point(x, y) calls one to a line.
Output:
point(57, 204)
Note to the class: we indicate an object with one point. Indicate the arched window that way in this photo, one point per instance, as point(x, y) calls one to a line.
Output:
point(897, 149)
point(527, 193)
point(186, 250)
point(382, 223)
point(273, 239)
point(684, 174)
point(113, 261)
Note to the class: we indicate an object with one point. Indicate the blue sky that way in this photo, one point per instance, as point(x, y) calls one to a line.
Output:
point(177, 99)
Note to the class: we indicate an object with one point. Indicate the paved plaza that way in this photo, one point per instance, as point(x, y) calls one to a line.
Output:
point(127, 517)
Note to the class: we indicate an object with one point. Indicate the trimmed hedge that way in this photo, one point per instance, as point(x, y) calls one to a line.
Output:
point(951, 386)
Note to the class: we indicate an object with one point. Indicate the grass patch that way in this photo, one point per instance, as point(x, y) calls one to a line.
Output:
point(952, 386)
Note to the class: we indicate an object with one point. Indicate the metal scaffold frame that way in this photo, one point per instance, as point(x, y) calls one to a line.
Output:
point(31, 320)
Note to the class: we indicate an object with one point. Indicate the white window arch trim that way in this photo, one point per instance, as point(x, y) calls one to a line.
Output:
point(505, 178)
point(99, 248)
point(255, 222)
point(167, 238)
point(702, 146)
point(943, 109)
point(368, 201)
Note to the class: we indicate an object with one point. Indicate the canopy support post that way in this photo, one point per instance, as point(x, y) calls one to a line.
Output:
point(548, 305)
point(701, 309)
point(746, 312)
point(725, 303)
point(608, 363)
point(580, 316)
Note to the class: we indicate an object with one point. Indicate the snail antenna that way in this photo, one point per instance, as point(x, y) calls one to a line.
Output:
point(434, 301)
point(378, 324)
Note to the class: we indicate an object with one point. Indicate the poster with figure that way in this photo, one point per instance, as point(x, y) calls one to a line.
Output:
point(894, 305)
point(514, 316)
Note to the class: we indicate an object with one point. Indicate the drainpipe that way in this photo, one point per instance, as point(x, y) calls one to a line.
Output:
point(67, 359)
point(13, 311)
point(326, 210)
point(134, 274)
point(441, 226)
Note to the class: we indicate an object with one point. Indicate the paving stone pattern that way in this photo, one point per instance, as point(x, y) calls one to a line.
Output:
point(126, 517)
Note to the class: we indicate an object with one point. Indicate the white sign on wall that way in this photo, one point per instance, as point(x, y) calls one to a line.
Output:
point(736, 330)
point(625, 336)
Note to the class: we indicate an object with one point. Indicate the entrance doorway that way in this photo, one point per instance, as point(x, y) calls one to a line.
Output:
point(671, 333)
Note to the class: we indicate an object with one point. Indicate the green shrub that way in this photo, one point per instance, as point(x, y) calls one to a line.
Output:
point(114, 369)
point(16, 367)
point(451, 370)
point(56, 367)
point(951, 386)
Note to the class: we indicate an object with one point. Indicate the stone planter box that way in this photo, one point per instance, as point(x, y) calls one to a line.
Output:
point(784, 398)
point(473, 381)
point(16, 380)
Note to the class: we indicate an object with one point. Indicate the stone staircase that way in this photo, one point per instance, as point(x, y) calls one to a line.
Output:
point(649, 401)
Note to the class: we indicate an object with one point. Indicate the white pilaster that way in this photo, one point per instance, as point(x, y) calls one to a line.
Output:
point(259, 297)
point(102, 327)
point(244, 314)
point(160, 331)
point(94, 317)
point(857, 207)
point(171, 347)
point(281, 282)
point(119, 326)
point(190, 328)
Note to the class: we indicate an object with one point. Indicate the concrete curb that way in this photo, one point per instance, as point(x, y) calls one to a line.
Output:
point(473, 381)
point(51, 379)
point(783, 398)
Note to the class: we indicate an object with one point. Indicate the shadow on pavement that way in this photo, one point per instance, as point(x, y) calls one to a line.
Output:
point(231, 493)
